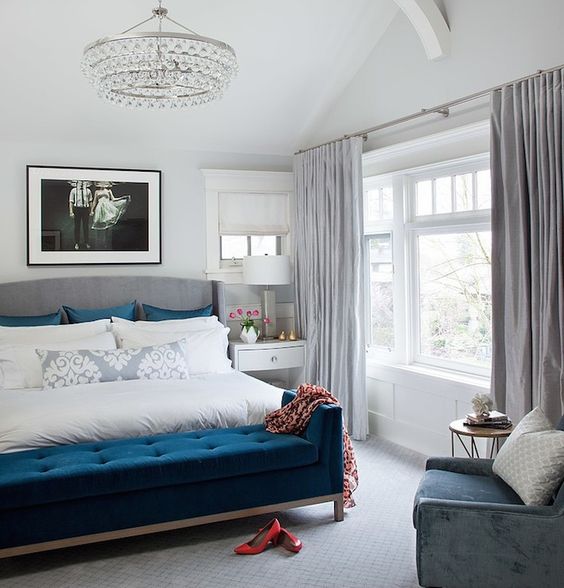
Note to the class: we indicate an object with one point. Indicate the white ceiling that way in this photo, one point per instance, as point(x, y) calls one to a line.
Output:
point(295, 57)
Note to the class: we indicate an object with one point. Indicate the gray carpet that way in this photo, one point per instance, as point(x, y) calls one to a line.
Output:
point(373, 547)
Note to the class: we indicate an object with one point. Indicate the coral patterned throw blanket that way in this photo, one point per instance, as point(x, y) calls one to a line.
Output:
point(294, 418)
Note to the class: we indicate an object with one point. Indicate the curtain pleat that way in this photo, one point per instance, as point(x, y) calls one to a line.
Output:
point(329, 274)
point(528, 246)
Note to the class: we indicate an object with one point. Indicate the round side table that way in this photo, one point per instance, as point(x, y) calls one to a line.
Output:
point(459, 429)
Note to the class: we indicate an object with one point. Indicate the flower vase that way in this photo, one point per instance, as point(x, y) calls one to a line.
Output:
point(249, 334)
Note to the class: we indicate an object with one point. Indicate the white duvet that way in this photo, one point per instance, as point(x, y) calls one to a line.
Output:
point(32, 417)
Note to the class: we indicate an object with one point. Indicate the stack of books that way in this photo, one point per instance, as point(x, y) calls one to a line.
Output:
point(493, 420)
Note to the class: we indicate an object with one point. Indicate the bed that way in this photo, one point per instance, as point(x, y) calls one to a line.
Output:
point(31, 418)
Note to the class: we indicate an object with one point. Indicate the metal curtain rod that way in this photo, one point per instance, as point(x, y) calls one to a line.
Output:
point(443, 109)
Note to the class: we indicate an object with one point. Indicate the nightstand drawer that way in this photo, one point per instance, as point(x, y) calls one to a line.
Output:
point(270, 359)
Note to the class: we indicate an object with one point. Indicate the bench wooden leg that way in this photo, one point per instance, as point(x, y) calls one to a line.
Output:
point(338, 509)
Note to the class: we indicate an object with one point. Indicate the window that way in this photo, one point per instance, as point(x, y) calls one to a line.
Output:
point(454, 297)
point(378, 219)
point(247, 213)
point(428, 274)
point(380, 277)
point(453, 193)
point(235, 247)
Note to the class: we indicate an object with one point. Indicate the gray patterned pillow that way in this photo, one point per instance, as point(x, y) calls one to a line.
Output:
point(69, 368)
point(531, 461)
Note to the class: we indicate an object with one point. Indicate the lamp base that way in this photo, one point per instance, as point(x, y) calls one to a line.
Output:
point(268, 303)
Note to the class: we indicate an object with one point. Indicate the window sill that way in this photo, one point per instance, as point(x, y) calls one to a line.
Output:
point(418, 376)
point(229, 275)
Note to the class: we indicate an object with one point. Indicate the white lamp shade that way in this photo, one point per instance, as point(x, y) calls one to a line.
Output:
point(266, 270)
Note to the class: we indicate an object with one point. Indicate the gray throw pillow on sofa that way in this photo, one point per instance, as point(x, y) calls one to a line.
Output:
point(531, 461)
point(69, 368)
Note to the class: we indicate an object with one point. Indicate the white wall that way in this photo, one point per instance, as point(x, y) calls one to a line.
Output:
point(493, 41)
point(183, 205)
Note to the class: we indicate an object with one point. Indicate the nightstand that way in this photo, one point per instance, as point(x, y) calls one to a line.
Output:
point(277, 362)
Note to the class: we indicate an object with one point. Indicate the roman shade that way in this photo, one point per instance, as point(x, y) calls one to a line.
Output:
point(243, 213)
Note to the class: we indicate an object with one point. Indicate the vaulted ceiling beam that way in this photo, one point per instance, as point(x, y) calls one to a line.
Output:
point(430, 25)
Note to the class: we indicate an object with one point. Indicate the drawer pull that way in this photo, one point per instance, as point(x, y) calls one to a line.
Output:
point(274, 359)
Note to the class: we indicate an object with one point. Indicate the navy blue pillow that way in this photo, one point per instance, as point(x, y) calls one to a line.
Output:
point(154, 313)
point(85, 315)
point(31, 321)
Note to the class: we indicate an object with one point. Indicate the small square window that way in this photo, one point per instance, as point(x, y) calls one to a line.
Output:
point(234, 246)
point(264, 245)
point(443, 195)
point(484, 189)
point(424, 198)
point(464, 190)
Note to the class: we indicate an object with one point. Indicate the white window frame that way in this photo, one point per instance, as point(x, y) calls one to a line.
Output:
point(405, 228)
point(238, 182)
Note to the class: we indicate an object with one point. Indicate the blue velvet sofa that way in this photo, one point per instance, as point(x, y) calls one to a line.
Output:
point(70, 495)
point(473, 530)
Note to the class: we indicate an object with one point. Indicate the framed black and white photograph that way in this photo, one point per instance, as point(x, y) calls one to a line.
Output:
point(90, 216)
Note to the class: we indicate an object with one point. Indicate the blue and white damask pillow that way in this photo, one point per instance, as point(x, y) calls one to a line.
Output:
point(87, 366)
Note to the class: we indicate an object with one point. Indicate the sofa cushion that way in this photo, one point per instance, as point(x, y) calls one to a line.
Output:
point(92, 469)
point(531, 461)
point(444, 485)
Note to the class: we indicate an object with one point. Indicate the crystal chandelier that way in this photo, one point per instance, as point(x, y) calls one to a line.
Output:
point(159, 69)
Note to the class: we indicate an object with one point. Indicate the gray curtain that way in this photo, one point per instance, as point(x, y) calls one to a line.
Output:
point(329, 274)
point(528, 247)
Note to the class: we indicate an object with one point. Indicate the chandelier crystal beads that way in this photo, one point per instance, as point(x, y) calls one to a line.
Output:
point(159, 69)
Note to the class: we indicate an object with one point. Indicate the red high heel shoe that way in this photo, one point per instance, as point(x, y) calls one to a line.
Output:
point(288, 541)
point(259, 542)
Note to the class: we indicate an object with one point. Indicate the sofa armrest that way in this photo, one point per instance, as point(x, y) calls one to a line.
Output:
point(515, 545)
point(461, 465)
point(288, 396)
point(325, 431)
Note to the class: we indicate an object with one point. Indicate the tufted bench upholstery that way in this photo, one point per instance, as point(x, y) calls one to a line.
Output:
point(87, 469)
point(68, 495)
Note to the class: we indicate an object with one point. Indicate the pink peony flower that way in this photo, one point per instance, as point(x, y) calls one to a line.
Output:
point(249, 313)
point(240, 311)
point(266, 320)
point(232, 315)
point(256, 312)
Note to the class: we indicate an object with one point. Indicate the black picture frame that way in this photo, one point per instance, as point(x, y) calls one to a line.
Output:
point(93, 216)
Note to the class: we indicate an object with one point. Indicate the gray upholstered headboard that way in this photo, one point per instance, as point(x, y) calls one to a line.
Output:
point(43, 296)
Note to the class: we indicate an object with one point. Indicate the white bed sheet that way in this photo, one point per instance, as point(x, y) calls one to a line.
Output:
point(32, 417)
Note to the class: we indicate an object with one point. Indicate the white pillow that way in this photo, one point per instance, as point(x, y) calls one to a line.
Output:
point(199, 323)
point(20, 366)
point(51, 333)
point(531, 461)
point(206, 351)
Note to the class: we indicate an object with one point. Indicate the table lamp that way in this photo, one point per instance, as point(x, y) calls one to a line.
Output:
point(267, 270)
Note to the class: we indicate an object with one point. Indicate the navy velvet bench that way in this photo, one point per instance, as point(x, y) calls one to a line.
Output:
point(76, 494)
